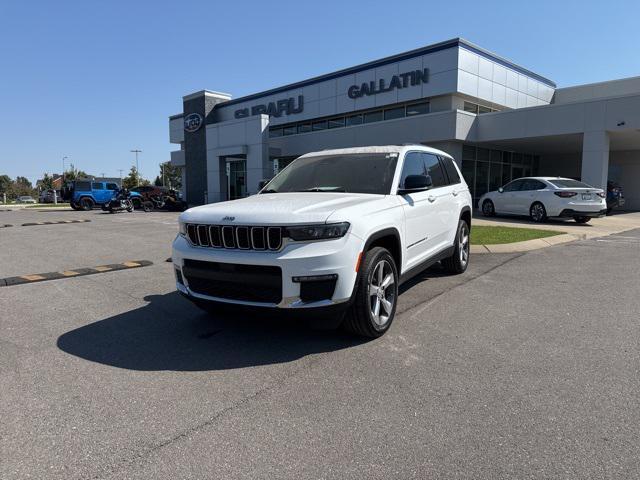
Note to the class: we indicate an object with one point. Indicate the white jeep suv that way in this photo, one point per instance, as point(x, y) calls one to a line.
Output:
point(335, 232)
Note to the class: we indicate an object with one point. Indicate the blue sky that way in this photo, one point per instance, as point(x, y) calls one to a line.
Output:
point(92, 80)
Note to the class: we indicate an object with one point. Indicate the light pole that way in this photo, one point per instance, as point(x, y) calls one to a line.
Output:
point(136, 151)
point(63, 159)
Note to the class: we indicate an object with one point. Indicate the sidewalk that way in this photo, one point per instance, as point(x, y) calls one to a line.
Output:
point(597, 227)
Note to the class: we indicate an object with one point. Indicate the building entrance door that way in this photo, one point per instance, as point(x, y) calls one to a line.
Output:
point(236, 178)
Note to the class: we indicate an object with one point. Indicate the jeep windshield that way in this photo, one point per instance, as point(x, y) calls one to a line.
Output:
point(351, 172)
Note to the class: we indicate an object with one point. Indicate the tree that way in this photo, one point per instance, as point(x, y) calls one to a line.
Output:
point(134, 180)
point(172, 176)
point(47, 182)
point(5, 183)
point(73, 174)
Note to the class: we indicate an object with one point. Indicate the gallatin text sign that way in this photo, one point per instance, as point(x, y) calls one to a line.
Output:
point(402, 80)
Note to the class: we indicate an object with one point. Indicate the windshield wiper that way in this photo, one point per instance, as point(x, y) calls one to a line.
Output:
point(324, 189)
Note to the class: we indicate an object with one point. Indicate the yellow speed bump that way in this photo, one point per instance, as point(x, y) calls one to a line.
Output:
point(32, 278)
point(102, 268)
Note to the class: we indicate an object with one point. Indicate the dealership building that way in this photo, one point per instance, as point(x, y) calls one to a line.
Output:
point(498, 119)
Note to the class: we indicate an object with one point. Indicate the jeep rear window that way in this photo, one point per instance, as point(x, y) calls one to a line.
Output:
point(352, 173)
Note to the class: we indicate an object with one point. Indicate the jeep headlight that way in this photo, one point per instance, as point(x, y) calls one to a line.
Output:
point(323, 231)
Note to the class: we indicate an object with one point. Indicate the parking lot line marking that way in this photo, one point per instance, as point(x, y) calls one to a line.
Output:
point(76, 272)
point(32, 278)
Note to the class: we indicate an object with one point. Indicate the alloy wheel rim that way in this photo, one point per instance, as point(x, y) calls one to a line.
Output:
point(382, 293)
point(463, 245)
point(537, 212)
point(487, 208)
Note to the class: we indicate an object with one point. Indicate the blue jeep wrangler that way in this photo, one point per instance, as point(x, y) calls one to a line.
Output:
point(87, 194)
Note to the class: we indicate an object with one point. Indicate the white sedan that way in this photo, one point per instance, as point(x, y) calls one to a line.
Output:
point(543, 197)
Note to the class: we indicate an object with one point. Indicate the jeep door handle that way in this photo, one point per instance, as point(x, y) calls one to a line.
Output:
point(455, 194)
point(431, 198)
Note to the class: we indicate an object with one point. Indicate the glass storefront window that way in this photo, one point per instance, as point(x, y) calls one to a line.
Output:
point(483, 155)
point(482, 109)
point(289, 130)
point(470, 107)
point(495, 176)
point(468, 152)
point(275, 132)
point(496, 156)
point(482, 179)
point(469, 173)
point(304, 127)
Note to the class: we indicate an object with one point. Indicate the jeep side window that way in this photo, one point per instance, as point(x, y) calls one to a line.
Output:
point(413, 165)
point(434, 170)
point(452, 172)
point(97, 186)
point(112, 186)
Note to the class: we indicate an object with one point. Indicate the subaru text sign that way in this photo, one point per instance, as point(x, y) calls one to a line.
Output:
point(273, 109)
point(192, 122)
point(402, 80)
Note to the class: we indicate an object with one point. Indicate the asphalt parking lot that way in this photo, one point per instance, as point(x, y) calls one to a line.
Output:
point(524, 367)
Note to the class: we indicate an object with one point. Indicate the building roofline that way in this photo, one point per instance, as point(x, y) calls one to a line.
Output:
point(200, 93)
point(452, 43)
point(177, 115)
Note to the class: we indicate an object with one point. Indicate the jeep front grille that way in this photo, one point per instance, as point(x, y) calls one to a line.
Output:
point(239, 237)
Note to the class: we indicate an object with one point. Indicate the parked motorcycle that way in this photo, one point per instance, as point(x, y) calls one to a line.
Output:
point(119, 203)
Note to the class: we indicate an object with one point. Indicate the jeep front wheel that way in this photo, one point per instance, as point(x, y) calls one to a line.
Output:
point(374, 306)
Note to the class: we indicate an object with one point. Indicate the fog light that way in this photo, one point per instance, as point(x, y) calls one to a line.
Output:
point(315, 278)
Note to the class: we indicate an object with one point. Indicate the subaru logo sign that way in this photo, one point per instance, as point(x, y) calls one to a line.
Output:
point(192, 122)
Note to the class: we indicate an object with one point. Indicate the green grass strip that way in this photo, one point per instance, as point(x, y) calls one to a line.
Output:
point(481, 235)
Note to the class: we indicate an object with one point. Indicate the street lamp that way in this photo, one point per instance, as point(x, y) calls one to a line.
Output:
point(63, 159)
point(136, 151)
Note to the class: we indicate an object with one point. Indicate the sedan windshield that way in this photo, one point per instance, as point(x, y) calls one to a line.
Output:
point(568, 183)
point(353, 173)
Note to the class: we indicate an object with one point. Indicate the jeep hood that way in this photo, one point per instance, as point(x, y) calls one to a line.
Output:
point(277, 208)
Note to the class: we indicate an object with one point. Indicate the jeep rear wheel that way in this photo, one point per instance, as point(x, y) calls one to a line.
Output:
point(374, 305)
point(86, 204)
point(459, 261)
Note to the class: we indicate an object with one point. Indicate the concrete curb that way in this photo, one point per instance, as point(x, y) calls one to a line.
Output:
point(527, 245)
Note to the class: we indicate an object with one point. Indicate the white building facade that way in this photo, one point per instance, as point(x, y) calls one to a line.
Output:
point(499, 121)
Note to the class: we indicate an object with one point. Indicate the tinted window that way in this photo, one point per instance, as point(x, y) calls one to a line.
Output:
point(452, 172)
point(394, 113)
point(97, 186)
point(413, 165)
point(568, 183)
point(289, 130)
point(354, 120)
point(434, 170)
point(112, 186)
point(373, 116)
point(275, 132)
point(356, 173)
point(83, 186)
point(514, 186)
point(418, 109)
point(534, 185)
point(304, 128)
point(336, 122)
point(321, 125)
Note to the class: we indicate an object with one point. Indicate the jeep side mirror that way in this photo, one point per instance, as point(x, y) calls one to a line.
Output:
point(416, 183)
point(500, 190)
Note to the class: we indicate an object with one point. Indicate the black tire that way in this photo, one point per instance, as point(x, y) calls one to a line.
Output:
point(609, 210)
point(582, 219)
point(105, 207)
point(537, 212)
point(360, 319)
point(147, 206)
point(74, 206)
point(137, 203)
point(86, 204)
point(488, 209)
point(459, 261)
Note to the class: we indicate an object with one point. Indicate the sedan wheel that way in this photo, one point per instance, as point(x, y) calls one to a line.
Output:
point(538, 213)
point(488, 209)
